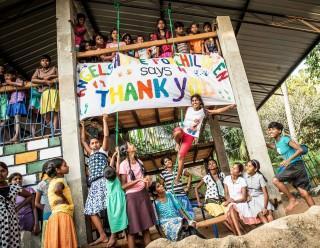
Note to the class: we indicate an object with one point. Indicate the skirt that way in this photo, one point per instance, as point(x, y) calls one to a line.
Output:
point(215, 209)
point(116, 211)
point(171, 227)
point(186, 205)
point(49, 101)
point(35, 98)
point(3, 107)
point(60, 232)
point(256, 204)
point(140, 212)
point(245, 213)
point(18, 108)
point(96, 200)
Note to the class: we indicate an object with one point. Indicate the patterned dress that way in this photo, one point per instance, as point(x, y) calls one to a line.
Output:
point(96, 200)
point(168, 216)
point(9, 223)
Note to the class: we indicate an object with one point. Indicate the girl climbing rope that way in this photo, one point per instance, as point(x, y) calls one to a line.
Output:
point(190, 129)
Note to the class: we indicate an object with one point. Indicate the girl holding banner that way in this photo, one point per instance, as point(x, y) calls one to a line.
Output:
point(190, 129)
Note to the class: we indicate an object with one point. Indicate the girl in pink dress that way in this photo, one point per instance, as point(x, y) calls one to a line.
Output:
point(162, 33)
point(79, 30)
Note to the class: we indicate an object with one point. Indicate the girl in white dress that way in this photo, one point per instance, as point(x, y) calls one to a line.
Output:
point(235, 188)
point(258, 194)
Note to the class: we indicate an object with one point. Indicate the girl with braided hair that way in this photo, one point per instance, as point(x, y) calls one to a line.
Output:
point(139, 207)
point(60, 230)
point(257, 192)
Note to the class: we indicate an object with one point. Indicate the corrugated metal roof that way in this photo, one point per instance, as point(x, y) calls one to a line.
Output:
point(269, 52)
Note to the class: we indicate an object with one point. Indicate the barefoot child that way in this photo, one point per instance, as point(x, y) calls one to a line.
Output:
point(9, 224)
point(180, 193)
point(17, 105)
point(295, 171)
point(235, 189)
point(97, 162)
point(214, 196)
point(60, 231)
point(191, 128)
point(139, 207)
point(169, 212)
point(47, 77)
point(116, 199)
point(257, 191)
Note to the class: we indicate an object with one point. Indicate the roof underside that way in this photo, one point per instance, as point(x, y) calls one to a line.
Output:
point(270, 53)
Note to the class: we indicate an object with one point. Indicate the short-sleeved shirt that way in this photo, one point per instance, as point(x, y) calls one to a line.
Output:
point(183, 47)
point(124, 170)
point(17, 96)
point(234, 188)
point(285, 150)
point(97, 162)
point(168, 178)
point(53, 197)
point(143, 53)
point(196, 46)
point(41, 73)
point(168, 209)
point(255, 184)
point(42, 188)
point(25, 214)
point(214, 188)
point(111, 44)
point(193, 121)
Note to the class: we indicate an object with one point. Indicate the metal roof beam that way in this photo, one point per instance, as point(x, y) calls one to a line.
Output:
point(242, 17)
point(241, 9)
point(12, 64)
point(292, 68)
point(27, 12)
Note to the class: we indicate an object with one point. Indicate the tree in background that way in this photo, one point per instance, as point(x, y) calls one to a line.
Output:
point(313, 63)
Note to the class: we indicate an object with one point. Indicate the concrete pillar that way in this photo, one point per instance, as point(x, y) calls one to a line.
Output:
point(72, 152)
point(247, 112)
point(219, 145)
point(292, 131)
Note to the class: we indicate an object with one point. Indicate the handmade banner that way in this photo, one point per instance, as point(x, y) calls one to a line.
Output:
point(128, 83)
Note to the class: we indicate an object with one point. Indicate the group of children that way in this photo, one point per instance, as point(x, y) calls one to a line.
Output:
point(42, 99)
point(162, 32)
point(120, 189)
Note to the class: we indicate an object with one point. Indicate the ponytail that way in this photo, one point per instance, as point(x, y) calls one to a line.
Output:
point(52, 166)
point(256, 165)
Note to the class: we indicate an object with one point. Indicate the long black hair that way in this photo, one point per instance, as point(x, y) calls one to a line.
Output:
point(52, 165)
point(206, 164)
point(255, 163)
point(124, 152)
point(199, 98)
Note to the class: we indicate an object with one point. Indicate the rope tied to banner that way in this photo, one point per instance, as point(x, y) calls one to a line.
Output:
point(117, 7)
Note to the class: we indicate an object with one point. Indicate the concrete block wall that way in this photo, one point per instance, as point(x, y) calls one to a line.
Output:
point(27, 158)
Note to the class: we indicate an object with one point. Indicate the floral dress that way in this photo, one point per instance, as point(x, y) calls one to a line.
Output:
point(9, 223)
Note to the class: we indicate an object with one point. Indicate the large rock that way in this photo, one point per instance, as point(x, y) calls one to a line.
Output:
point(300, 230)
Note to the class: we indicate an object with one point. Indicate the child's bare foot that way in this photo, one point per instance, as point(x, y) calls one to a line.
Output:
point(292, 204)
point(112, 241)
point(101, 239)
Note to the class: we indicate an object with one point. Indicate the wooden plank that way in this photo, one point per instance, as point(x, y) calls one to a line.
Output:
point(212, 221)
point(136, 118)
point(157, 116)
point(147, 44)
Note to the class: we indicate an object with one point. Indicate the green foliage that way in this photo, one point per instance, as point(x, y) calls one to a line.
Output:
point(313, 62)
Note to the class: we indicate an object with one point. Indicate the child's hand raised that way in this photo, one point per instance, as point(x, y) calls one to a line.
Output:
point(105, 117)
